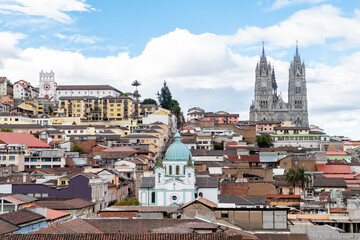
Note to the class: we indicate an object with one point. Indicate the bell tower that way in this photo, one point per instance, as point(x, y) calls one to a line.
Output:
point(47, 85)
point(297, 91)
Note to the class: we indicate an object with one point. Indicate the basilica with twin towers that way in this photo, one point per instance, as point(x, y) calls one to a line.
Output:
point(268, 105)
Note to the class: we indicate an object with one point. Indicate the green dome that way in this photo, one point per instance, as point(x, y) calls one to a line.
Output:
point(177, 151)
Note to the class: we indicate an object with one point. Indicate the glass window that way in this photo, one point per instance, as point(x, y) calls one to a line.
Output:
point(153, 197)
point(4, 158)
point(11, 157)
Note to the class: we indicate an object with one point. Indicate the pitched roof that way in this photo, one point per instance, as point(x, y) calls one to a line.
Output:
point(65, 204)
point(20, 198)
point(21, 216)
point(120, 149)
point(329, 182)
point(22, 138)
point(207, 182)
point(70, 227)
point(239, 200)
point(86, 87)
point(250, 158)
point(335, 153)
point(202, 200)
point(7, 227)
point(55, 214)
point(330, 168)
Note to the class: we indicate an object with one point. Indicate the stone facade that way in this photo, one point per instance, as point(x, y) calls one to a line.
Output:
point(268, 105)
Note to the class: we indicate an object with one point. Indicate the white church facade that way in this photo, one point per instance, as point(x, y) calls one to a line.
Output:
point(174, 182)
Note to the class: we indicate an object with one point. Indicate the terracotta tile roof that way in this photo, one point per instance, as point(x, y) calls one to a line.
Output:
point(7, 227)
point(65, 204)
point(233, 158)
point(250, 158)
point(22, 138)
point(202, 200)
point(329, 182)
point(335, 153)
point(55, 214)
point(21, 216)
point(70, 227)
point(119, 149)
point(274, 236)
point(125, 236)
point(345, 176)
point(329, 168)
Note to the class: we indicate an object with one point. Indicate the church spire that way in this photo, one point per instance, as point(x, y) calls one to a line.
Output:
point(263, 62)
point(297, 55)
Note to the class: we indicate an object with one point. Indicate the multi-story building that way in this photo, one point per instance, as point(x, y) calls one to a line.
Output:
point(98, 91)
point(268, 105)
point(24, 90)
point(3, 86)
point(116, 108)
point(195, 113)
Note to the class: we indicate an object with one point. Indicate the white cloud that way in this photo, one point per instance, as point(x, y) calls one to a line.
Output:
point(285, 3)
point(78, 38)
point(206, 61)
point(53, 9)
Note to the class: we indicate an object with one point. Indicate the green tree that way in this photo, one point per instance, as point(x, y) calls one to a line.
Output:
point(51, 109)
point(164, 97)
point(9, 83)
point(149, 101)
point(135, 84)
point(219, 146)
point(77, 148)
point(128, 202)
point(297, 177)
point(264, 141)
point(6, 130)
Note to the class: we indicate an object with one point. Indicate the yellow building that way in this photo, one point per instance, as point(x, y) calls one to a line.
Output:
point(116, 108)
point(73, 106)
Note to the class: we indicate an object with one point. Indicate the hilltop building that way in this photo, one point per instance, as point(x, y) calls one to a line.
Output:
point(268, 105)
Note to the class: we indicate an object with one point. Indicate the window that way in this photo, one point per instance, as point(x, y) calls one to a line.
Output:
point(174, 197)
point(153, 197)
point(200, 194)
point(12, 158)
point(177, 170)
point(291, 191)
point(170, 170)
point(4, 158)
point(224, 215)
point(63, 182)
point(159, 177)
point(326, 148)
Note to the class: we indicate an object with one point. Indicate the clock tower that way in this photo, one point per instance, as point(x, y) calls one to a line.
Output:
point(47, 88)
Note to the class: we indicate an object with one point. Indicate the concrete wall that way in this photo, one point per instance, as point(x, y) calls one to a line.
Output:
point(315, 232)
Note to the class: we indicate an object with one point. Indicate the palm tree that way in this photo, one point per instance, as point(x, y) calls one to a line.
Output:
point(136, 83)
point(296, 176)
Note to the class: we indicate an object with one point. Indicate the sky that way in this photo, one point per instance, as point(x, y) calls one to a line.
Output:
point(206, 51)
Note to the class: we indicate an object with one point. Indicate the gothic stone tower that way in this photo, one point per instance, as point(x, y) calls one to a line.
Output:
point(47, 88)
point(297, 93)
point(268, 106)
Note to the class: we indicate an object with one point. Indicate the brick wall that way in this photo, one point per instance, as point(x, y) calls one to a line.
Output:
point(240, 189)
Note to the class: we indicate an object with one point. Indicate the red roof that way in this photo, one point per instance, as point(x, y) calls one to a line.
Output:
point(233, 158)
point(55, 214)
point(10, 198)
point(22, 138)
point(335, 153)
point(250, 158)
point(345, 176)
point(351, 143)
point(329, 168)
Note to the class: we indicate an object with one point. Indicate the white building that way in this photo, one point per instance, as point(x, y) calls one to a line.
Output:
point(98, 91)
point(3, 86)
point(195, 113)
point(24, 90)
point(175, 182)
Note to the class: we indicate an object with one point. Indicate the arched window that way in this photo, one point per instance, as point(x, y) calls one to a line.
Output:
point(177, 170)
point(159, 177)
point(170, 170)
point(153, 197)
point(200, 194)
